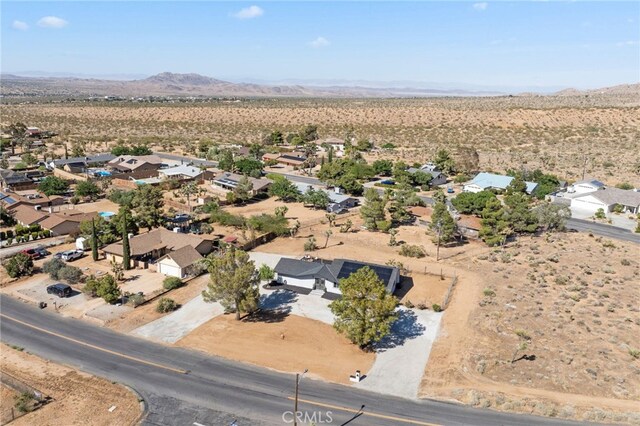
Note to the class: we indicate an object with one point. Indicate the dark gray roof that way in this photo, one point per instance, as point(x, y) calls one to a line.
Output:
point(334, 271)
point(97, 158)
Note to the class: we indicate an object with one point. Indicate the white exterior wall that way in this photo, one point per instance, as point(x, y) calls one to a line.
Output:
point(472, 187)
point(331, 288)
point(305, 283)
point(589, 204)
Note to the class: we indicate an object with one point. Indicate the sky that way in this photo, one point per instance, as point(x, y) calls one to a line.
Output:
point(538, 43)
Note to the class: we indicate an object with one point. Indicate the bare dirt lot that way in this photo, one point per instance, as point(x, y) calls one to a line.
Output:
point(574, 300)
point(283, 342)
point(78, 398)
point(555, 133)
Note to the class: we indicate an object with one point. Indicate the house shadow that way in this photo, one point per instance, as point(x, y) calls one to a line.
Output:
point(403, 287)
point(405, 328)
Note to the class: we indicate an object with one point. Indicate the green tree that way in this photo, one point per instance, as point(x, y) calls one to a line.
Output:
point(19, 265)
point(225, 160)
point(234, 281)
point(248, 166)
point(148, 204)
point(108, 289)
point(366, 312)
point(373, 209)
point(472, 203)
point(317, 198)
point(494, 223)
point(383, 167)
point(126, 250)
point(53, 185)
point(87, 189)
point(122, 198)
point(442, 224)
point(310, 133)
point(364, 145)
point(553, 217)
point(243, 191)
point(94, 241)
point(6, 217)
point(189, 189)
point(517, 186)
point(77, 150)
point(283, 188)
point(519, 215)
point(444, 162)
point(53, 267)
point(266, 273)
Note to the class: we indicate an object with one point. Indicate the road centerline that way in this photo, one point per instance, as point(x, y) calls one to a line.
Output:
point(92, 346)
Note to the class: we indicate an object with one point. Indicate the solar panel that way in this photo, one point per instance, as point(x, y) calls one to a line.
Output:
point(384, 273)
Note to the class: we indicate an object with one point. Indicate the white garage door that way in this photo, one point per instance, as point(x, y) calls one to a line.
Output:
point(172, 271)
point(587, 205)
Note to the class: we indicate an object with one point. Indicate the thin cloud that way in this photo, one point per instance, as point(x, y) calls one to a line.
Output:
point(19, 25)
point(249, 12)
point(481, 6)
point(628, 43)
point(52, 22)
point(319, 43)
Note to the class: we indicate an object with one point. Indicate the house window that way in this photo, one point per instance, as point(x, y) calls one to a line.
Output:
point(335, 285)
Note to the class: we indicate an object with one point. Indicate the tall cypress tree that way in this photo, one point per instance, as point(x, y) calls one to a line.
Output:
point(126, 251)
point(94, 241)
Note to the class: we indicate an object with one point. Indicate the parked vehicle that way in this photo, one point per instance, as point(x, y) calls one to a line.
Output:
point(60, 290)
point(71, 255)
point(450, 189)
point(43, 251)
point(32, 253)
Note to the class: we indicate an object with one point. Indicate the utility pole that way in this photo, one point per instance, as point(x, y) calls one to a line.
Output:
point(584, 166)
point(439, 226)
point(295, 406)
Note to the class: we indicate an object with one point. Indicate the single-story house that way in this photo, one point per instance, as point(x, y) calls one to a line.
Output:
point(339, 202)
point(585, 186)
point(325, 275)
point(151, 246)
point(67, 222)
point(286, 158)
point(27, 215)
point(437, 178)
point(336, 143)
point(16, 181)
point(469, 226)
point(180, 263)
point(484, 181)
point(82, 163)
point(37, 201)
point(32, 132)
point(229, 181)
point(181, 172)
point(607, 199)
point(134, 163)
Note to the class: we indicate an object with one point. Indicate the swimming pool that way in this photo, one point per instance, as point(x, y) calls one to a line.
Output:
point(106, 215)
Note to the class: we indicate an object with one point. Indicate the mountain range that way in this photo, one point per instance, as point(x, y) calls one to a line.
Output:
point(195, 85)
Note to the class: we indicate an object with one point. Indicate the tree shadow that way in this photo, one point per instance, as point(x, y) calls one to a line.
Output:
point(268, 316)
point(406, 327)
point(278, 300)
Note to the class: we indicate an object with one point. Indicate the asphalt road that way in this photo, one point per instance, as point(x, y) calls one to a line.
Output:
point(183, 387)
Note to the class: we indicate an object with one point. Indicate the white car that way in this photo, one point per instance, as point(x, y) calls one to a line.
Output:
point(70, 255)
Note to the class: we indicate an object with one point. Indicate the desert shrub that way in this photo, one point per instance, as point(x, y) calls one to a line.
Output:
point(24, 402)
point(488, 292)
point(625, 262)
point(408, 304)
point(135, 299)
point(409, 250)
point(310, 244)
point(70, 274)
point(52, 267)
point(624, 185)
point(600, 214)
point(105, 287)
point(19, 265)
point(266, 273)
point(171, 283)
point(166, 305)
point(523, 334)
point(436, 307)
point(225, 218)
point(634, 353)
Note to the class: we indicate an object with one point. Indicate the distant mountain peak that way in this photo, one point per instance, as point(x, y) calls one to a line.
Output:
point(190, 79)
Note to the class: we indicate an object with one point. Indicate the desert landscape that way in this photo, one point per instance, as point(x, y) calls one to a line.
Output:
point(596, 133)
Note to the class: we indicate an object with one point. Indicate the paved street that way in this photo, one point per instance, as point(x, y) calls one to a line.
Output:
point(183, 386)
